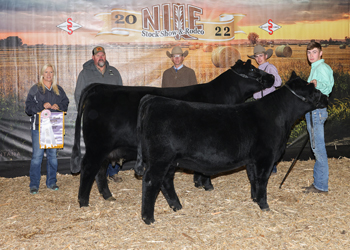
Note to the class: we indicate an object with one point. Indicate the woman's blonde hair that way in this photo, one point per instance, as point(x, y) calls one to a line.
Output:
point(54, 80)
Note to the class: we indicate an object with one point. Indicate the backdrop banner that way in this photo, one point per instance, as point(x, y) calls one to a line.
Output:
point(136, 36)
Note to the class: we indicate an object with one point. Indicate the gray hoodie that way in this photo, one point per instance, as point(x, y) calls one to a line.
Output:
point(90, 74)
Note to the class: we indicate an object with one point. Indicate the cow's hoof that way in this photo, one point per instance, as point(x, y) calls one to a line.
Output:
point(111, 198)
point(139, 177)
point(206, 188)
point(83, 203)
point(209, 188)
point(176, 207)
point(148, 221)
point(139, 171)
point(265, 209)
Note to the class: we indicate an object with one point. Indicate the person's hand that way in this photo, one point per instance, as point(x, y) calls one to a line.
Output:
point(55, 107)
point(314, 82)
point(47, 105)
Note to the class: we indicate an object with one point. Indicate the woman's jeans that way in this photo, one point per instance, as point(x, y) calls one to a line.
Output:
point(321, 173)
point(35, 164)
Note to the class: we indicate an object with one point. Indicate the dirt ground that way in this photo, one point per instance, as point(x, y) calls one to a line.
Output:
point(225, 218)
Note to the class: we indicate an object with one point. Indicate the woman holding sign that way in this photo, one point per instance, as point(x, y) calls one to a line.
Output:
point(45, 95)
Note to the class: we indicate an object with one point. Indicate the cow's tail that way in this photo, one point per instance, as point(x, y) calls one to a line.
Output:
point(139, 165)
point(75, 160)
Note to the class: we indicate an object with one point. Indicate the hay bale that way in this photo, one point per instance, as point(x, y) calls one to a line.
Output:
point(283, 51)
point(197, 46)
point(342, 46)
point(224, 57)
point(192, 47)
point(207, 48)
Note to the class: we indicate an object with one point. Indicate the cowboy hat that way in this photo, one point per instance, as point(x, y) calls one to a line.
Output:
point(258, 49)
point(177, 50)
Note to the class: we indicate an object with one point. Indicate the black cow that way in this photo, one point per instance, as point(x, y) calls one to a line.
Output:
point(212, 139)
point(110, 117)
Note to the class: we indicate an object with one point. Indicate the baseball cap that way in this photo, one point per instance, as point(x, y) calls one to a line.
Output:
point(98, 49)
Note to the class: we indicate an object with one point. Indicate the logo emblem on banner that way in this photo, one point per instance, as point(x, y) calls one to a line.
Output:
point(270, 27)
point(69, 26)
point(170, 21)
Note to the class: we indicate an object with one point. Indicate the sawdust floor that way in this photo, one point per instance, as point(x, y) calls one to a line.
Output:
point(225, 218)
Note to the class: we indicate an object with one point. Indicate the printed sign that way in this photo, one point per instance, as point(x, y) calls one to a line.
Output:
point(270, 27)
point(51, 129)
point(175, 21)
point(69, 26)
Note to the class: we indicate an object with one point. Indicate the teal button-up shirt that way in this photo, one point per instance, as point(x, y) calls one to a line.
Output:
point(323, 74)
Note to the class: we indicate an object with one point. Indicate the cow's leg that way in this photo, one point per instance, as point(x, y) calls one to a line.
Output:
point(168, 190)
point(139, 165)
point(87, 177)
point(151, 184)
point(263, 170)
point(261, 194)
point(101, 181)
point(251, 172)
point(202, 181)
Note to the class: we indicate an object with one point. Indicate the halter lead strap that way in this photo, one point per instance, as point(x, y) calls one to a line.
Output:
point(242, 75)
point(311, 120)
point(246, 76)
point(300, 97)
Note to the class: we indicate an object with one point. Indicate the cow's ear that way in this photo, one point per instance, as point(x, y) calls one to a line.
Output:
point(294, 75)
point(239, 62)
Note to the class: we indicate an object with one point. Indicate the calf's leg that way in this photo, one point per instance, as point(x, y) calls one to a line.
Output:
point(87, 177)
point(169, 192)
point(262, 194)
point(101, 181)
point(139, 165)
point(251, 172)
point(202, 181)
point(263, 170)
point(151, 184)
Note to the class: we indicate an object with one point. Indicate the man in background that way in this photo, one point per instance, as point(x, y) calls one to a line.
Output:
point(98, 70)
point(178, 75)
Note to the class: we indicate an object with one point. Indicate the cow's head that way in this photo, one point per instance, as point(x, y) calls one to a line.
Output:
point(248, 71)
point(306, 92)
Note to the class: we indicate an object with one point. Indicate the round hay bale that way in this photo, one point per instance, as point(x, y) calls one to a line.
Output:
point(224, 57)
point(283, 51)
point(197, 46)
point(192, 47)
point(207, 48)
point(342, 46)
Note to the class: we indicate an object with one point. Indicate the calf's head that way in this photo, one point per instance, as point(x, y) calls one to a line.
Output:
point(306, 92)
point(248, 71)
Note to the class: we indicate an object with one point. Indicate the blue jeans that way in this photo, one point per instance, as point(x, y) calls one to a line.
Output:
point(274, 169)
point(35, 163)
point(112, 170)
point(321, 172)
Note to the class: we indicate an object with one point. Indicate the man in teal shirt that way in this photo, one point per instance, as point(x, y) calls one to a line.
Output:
point(321, 76)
